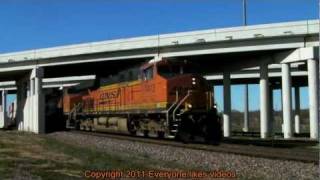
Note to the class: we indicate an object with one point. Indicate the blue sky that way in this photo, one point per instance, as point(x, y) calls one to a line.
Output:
point(45, 23)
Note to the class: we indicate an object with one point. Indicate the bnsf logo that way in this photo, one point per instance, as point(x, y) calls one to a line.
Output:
point(110, 94)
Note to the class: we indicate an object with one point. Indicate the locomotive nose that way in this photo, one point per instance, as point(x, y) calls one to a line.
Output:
point(198, 82)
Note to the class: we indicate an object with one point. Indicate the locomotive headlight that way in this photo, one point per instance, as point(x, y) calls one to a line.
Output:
point(193, 81)
point(189, 106)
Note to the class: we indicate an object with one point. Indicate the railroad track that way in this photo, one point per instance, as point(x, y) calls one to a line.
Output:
point(292, 154)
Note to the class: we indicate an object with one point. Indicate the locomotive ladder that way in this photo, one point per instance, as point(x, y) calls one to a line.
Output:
point(73, 116)
point(176, 118)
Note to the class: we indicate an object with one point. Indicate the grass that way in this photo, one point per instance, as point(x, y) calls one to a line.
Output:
point(28, 156)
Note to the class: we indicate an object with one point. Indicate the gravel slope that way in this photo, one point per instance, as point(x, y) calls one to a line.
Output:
point(244, 166)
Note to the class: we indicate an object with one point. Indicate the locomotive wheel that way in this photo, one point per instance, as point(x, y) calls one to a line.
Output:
point(82, 127)
point(87, 128)
point(161, 134)
point(131, 127)
point(145, 133)
point(77, 126)
point(140, 133)
point(212, 131)
point(153, 133)
point(186, 128)
point(184, 137)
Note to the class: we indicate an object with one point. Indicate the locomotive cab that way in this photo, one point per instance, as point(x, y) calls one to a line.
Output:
point(190, 110)
point(181, 80)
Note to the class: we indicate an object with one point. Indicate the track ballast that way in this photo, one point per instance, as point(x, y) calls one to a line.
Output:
point(292, 154)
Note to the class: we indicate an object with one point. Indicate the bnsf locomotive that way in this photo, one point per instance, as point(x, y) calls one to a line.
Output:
point(163, 99)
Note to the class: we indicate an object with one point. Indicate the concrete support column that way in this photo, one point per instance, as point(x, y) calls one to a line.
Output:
point(282, 125)
point(21, 103)
point(3, 111)
point(0, 102)
point(26, 110)
point(226, 104)
point(264, 101)
point(246, 109)
point(313, 98)
point(213, 96)
point(297, 109)
point(37, 101)
point(286, 101)
point(30, 100)
point(31, 93)
point(271, 111)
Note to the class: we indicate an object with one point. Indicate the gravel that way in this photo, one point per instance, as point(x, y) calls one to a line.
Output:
point(244, 166)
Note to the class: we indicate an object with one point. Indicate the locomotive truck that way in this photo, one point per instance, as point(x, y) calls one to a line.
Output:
point(160, 99)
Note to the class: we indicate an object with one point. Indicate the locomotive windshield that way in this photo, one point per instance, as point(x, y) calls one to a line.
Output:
point(148, 73)
point(168, 71)
point(171, 70)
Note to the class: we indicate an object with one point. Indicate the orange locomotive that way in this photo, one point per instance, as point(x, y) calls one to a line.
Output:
point(162, 99)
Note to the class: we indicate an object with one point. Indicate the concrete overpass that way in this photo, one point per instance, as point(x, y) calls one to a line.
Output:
point(245, 52)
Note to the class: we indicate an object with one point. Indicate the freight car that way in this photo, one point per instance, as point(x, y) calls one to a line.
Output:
point(163, 99)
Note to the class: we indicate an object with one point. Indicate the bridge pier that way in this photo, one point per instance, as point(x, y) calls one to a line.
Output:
point(286, 100)
point(30, 100)
point(297, 109)
point(264, 101)
point(313, 97)
point(226, 104)
point(271, 111)
point(246, 109)
point(3, 109)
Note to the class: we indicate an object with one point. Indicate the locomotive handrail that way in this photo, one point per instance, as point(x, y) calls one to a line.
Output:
point(179, 104)
point(72, 114)
point(75, 109)
point(177, 99)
